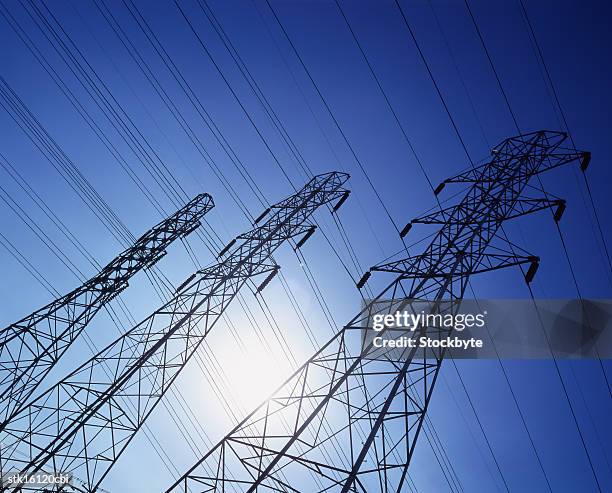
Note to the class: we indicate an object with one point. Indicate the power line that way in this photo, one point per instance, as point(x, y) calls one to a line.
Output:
point(433, 80)
point(564, 247)
point(253, 456)
point(147, 359)
point(544, 65)
point(333, 117)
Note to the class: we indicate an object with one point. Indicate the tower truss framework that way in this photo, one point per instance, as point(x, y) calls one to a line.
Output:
point(84, 423)
point(31, 347)
point(348, 420)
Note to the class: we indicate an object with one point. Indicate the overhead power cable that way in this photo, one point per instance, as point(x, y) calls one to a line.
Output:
point(333, 117)
point(159, 347)
point(433, 80)
point(557, 101)
point(254, 456)
point(565, 250)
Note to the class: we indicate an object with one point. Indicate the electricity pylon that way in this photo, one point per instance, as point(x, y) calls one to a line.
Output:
point(348, 420)
point(84, 423)
point(31, 347)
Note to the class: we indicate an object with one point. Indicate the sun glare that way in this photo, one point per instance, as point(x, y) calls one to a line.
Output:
point(256, 374)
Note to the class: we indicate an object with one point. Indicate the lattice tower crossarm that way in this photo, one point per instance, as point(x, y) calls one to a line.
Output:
point(96, 411)
point(31, 347)
point(347, 420)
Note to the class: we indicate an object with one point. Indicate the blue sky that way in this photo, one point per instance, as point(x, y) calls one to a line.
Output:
point(575, 40)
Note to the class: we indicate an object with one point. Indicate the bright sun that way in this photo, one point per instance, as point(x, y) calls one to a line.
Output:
point(256, 374)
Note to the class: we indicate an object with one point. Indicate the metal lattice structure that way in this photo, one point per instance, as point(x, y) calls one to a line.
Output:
point(84, 423)
point(31, 347)
point(348, 420)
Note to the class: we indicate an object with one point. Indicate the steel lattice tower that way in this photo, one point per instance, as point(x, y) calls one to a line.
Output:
point(31, 347)
point(96, 410)
point(348, 420)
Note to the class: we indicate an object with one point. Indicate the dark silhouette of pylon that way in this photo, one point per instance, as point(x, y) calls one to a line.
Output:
point(31, 347)
point(96, 411)
point(348, 420)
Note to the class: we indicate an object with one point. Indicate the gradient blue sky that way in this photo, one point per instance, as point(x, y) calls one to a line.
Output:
point(575, 39)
